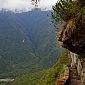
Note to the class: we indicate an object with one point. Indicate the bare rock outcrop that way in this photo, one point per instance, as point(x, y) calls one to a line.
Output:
point(72, 35)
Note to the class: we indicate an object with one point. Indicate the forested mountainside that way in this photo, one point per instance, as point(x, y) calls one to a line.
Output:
point(44, 77)
point(27, 42)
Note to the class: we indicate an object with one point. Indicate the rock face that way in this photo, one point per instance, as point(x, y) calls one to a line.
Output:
point(72, 35)
point(82, 74)
point(77, 74)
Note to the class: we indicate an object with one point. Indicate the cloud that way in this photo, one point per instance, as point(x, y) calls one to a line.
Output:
point(47, 4)
point(14, 4)
point(25, 4)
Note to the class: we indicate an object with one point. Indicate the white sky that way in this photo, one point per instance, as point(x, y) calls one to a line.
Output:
point(25, 4)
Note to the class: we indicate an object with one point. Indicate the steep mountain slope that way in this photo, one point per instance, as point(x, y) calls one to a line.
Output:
point(27, 42)
point(12, 48)
point(44, 77)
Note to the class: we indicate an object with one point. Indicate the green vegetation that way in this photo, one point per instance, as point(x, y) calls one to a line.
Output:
point(65, 10)
point(62, 10)
point(51, 75)
point(31, 79)
point(4, 83)
point(27, 43)
point(44, 77)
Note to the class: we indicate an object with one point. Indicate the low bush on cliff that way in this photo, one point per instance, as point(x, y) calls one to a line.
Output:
point(65, 10)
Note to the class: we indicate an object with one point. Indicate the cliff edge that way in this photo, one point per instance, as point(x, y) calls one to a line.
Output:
point(72, 37)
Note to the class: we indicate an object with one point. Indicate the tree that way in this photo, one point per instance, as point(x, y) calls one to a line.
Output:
point(71, 34)
point(64, 10)
point(35, 2)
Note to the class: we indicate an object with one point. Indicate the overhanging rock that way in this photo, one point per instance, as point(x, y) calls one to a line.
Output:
point(72, 35)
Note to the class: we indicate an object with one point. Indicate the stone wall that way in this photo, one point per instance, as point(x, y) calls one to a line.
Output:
point(82, 70)
point(79, 67)
point(77, 62)
point(80, 64)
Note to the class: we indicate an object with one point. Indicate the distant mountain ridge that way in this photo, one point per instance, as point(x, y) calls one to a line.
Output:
point(27, 42)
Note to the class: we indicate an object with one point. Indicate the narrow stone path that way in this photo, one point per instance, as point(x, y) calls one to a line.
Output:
point(73, 76)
